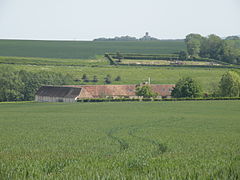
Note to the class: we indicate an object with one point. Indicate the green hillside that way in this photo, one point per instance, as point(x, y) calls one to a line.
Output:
point(84, 49)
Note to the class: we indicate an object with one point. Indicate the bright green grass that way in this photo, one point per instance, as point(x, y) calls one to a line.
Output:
point(151, 140)
point(207, 77)
point(84, 49)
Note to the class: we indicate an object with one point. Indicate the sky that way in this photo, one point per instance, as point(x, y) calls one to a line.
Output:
point(89, 19)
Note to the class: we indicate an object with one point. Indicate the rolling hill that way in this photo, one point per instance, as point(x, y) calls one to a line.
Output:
point(84, 49)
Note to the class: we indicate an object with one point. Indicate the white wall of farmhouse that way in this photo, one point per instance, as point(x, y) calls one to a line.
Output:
point(53, 99)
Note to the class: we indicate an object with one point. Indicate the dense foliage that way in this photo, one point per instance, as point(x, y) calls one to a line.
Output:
point(108, 79)
point(230, 84)
point(145, 91)
point(139, 56)
point(22, 85)
point(187, 87)
point(213, 47)
point(125, 140)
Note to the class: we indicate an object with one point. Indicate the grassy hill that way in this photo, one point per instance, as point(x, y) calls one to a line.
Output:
point(156, 140)
point(84, 49)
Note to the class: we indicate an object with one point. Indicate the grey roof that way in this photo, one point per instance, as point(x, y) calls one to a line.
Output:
point(59, 91)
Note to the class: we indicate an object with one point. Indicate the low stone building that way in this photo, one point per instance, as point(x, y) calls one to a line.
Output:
point(71, 93)
point(57, 94)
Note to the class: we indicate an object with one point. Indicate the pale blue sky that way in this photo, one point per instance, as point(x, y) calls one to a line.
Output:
point(89, 19)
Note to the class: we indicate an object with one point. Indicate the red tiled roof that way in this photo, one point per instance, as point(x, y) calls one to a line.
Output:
point(163, 89)
point(96, 91)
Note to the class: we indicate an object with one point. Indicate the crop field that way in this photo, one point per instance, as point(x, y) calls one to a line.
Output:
point(52, 61)
point(148, 140)
point(84, 49)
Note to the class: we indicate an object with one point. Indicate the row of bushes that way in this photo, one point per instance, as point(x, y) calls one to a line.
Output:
point(209, 60)
point(106, 100)
point(201, 99)
point(156, 99)
point(112, 56)
point(110, 59)
point(183, 65)
point(146, 56)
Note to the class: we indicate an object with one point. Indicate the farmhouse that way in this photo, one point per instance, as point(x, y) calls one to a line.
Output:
point(71, 93)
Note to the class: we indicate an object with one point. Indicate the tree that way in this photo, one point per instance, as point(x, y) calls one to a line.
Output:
point(95, 79)
point(231, 54)
point(145, 91)
point(193, 42)
point(10, 84)
point(230, 84)
point(118, 78)
point(107, 79)
point(183, 55)
point(33, 81)
point(232, 38)
point(31, 84)
point(214, 47)
point(187, 87)
point(22, 85)
point(119, 56)
point(85, 78)
point(223, 50)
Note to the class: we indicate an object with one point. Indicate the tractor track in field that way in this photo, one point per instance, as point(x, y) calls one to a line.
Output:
point(160, 148)
point(123, 144)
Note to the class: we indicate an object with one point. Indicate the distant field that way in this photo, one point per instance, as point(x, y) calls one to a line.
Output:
point(84, 49)
point(156, 140)
point(36, 61)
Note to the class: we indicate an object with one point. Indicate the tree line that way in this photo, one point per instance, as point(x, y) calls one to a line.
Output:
point(229, 86)
point(213, 47)
point(107, 80)
point(22, 85)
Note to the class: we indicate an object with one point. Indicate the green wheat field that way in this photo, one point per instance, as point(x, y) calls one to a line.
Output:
point(125, 140)
point(85, 49)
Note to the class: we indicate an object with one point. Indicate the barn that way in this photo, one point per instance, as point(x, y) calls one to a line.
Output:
point(57, 94)
point(71, 93)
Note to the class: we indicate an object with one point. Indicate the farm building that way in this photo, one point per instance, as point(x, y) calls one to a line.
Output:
point(57, 94)
point(71, 93)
